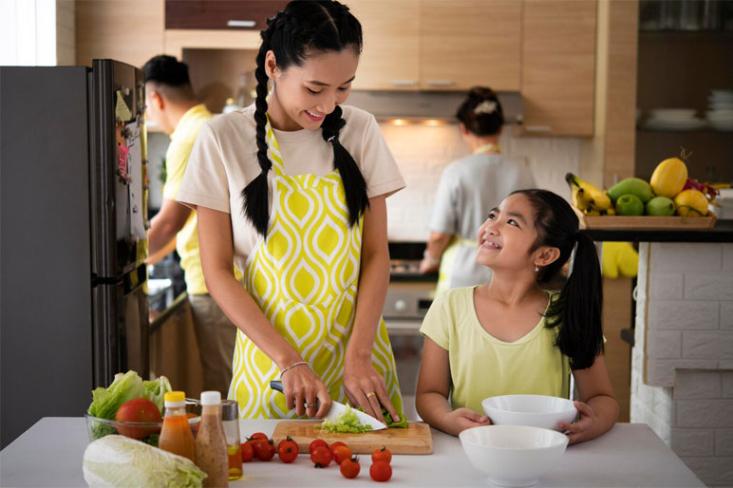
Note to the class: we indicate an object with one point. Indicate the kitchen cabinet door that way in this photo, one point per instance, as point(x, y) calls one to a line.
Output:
point(558, 66)
point(390, 57)
point(220, 14)
point(130, 31)
point(464, 43)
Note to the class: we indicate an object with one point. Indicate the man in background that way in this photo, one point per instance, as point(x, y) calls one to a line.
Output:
point(172, 105)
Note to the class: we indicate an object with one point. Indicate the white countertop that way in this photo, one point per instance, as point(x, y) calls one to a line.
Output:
point(630, 455)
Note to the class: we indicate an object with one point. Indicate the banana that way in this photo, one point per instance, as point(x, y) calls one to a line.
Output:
point(596, 198)
point(579, 198)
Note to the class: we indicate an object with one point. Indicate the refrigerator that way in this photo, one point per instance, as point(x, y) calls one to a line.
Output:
point(73, 209)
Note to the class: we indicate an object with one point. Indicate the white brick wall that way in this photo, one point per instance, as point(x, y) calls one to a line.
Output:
point(682, 362)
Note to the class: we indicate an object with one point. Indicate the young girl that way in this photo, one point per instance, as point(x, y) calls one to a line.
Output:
point(293, 189)
point(511, 336)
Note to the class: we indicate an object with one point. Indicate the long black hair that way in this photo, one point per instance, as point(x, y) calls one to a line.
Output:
point(577, 310)
point(305, 27)
point(481, 113)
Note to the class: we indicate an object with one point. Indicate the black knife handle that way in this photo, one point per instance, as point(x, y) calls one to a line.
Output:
point(277, 385)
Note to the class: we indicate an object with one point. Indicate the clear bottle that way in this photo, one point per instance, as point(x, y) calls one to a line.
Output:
point(176, 435)
point(230, 420)
point(244, 96)
point(211, 445)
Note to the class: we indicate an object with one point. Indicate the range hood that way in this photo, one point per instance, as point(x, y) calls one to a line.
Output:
point(422, 105)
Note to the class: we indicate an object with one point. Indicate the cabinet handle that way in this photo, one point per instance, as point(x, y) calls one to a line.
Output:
point(440, 82)
point(404, 82)
point(241, 23)
point(538, 128)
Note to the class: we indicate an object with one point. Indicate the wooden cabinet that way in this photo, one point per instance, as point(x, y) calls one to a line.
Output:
point(558, 66)
point(439, 44)
point(125, 30)
point(391, 44)
point(469, 42)
point(220, 14)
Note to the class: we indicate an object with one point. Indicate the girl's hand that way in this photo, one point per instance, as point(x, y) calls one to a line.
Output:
point(460, 419)
point(366, 389)
point(302, 388)
point(583, 428)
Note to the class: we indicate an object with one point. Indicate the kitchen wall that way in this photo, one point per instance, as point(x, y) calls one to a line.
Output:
point(423, 151)
point(37, 32)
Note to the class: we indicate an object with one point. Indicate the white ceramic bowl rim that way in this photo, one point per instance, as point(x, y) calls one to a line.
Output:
point(558, 400)
point(557, 437)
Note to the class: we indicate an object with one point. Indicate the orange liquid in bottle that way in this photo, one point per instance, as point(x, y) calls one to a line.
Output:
point(234, 453)
point(176, 436)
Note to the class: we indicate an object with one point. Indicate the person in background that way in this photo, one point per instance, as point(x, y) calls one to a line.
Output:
point(514, 334)
point(468, 189)
point(171, 104)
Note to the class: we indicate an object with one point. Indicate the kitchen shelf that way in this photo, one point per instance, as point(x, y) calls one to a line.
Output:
point(705, 130)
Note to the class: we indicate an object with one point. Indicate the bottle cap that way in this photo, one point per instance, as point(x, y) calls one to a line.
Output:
point(174, 398)
point(210, 398)
point(229, 410)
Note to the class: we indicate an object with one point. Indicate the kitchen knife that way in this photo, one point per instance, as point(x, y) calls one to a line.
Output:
point(338, 408)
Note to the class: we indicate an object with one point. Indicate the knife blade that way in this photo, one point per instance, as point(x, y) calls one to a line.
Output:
point(338, 408)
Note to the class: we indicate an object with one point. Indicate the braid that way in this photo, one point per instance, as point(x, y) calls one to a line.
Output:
point(354, 184)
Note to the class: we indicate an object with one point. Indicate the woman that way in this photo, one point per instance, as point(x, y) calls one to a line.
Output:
point(293, 190)
point(469, 188)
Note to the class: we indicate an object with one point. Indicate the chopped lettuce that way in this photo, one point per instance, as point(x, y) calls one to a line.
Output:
point(117, 461)
point(402, 424)
point(346, 423)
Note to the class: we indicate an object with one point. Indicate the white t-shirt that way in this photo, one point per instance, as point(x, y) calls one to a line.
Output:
point(224, 161)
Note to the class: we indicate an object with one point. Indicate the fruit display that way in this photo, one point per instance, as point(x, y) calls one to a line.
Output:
point(669, 192)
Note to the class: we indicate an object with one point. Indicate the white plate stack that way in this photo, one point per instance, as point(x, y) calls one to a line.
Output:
point(720, 113)
point(674, 119)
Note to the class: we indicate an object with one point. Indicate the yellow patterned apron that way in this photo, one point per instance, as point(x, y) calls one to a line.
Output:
point(304, 278)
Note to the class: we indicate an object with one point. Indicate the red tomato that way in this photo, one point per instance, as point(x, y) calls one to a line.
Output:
point(350, 467)
point(257, 436)
point(264, 450)
point(287, 450)
point(317, 443)
point(341, 453)
point(321, 457)
point(382, 454)
point(137, 410)
point(380, 471)
point(248, 452)
point(336, 444)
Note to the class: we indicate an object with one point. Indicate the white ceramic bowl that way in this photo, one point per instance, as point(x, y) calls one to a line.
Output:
point(513, 455)
point(534, 410)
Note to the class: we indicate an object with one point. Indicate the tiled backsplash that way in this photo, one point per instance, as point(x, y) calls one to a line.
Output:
point(423, 151)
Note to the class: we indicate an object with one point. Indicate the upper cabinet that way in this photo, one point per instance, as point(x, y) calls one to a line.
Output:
point(439, 44)
point(220, 14)
point(469, 42)
point(391, 56)
point(558, 66)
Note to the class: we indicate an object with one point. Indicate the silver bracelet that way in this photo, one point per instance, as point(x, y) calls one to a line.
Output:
point(294, 365)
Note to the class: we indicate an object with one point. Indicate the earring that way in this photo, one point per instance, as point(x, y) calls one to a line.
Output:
point(536, 269)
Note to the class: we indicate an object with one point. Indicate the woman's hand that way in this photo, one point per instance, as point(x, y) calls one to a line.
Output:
point(584, 428)
point(460, 419)
point(302, 388)
point(366, 389)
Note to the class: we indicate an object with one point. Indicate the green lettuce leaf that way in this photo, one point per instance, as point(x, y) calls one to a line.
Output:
point(346, 423)
point(106, 401)
point(155, 390)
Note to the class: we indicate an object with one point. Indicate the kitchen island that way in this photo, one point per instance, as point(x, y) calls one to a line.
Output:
point(50, 454)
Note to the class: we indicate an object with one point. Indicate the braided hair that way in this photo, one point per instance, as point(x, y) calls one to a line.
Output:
point(305, 26)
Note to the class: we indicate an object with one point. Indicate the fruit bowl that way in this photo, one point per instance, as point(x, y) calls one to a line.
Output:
point(533, 410)
point(513, 455)
point(147, 432)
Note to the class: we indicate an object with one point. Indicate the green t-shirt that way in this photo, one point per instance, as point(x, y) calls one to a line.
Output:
point(483, 366)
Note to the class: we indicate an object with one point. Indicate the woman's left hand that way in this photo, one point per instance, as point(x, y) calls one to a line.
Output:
point(366, 389)
point(583, 428)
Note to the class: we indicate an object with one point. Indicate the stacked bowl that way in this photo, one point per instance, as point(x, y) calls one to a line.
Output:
point(673, 119)
point(720, 110)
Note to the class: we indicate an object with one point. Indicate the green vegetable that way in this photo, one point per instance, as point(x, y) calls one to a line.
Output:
point(346, 423)
point(106, 401)
point(118, 461)
point(402, 424)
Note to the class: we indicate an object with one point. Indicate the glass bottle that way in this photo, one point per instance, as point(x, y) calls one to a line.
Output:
point(176, 435)
point(230, 420)
point(211, 446)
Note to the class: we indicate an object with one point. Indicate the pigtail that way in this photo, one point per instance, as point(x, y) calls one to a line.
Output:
point(578, 308)
point(354, 183)
point(255, 203)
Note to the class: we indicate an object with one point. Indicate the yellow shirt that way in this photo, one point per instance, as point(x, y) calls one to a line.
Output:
point(176, 160)
point(482, 366)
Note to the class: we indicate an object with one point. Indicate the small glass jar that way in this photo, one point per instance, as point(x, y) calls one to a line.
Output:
point(230, 420)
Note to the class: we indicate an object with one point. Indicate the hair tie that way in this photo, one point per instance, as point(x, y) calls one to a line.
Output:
point(485, 107)
point(331, 139)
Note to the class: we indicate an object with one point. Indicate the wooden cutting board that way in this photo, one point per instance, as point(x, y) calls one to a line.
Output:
point(415, 439)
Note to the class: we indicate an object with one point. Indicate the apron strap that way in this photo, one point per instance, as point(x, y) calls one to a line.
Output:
point(273, 150)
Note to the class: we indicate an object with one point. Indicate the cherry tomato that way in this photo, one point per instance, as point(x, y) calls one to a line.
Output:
point(321, 457)
point(341, 453)
point(264, 450)
point(287, 450)
point(380, 471)
point(317, 443)
point(350, 467)
point(337, 444)
point(248, 452)
point(382, 454)
point(257, 436)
